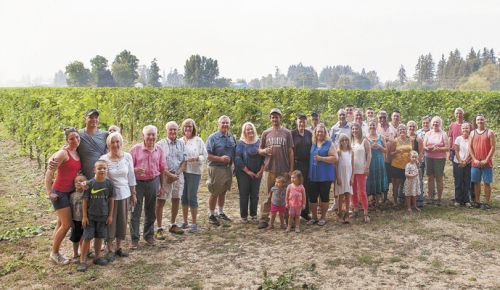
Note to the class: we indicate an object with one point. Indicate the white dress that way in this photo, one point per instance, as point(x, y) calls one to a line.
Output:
point(344, 169)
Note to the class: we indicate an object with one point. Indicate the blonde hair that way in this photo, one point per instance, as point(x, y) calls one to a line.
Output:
point(115, 128)
point(185, 122)
point(343, 136)
point(298, 174)
point(243, 135)
point(113, 135)
point(414, 153)
point(319, 126)
point(360, 133)
point(437, 118)
point(412, 123)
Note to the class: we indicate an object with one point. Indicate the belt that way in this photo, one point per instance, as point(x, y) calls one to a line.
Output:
point(147, 180)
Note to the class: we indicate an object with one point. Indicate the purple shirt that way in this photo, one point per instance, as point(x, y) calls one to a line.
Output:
point(153, 162)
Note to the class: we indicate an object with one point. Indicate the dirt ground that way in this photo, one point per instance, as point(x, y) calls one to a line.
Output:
point(442, 248)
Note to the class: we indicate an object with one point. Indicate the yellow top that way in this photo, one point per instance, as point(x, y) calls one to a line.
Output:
point(403, 157)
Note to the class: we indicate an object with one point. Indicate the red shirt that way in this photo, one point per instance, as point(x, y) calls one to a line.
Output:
point(153, 162)
point(66, 173)
point(454, 131)
point(481, 145)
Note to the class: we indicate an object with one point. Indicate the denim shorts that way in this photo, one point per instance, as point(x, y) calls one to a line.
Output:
point(485, 172)
point(190, 193)
point(62, 200)
point(95, 229)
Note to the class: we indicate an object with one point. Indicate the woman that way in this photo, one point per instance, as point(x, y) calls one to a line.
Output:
point(400, 154)
point(68, 166)
point(196, 156)
point(249, 168)
point(362, 159)
point(376, 183)
point(417, 145)
point(321, 173)
point(121, 173)
point(435, 148)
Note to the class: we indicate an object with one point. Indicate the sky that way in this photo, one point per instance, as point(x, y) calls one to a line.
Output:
point(248, 38)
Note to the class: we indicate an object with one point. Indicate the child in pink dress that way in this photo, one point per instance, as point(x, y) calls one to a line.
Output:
point(295, 200)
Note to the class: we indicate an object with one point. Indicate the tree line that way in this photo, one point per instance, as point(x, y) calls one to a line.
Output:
point(479, 70)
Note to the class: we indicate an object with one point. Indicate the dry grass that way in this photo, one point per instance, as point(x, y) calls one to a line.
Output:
point(442, 248)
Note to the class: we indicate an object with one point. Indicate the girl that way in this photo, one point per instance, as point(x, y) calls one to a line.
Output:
point(361, 166)
point(278, 201)
point(412, 182)
point(295, 200)
point(344, 177)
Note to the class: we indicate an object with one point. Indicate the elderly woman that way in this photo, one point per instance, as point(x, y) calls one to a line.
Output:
point(376, 183)
point(400, 155)
point(196, 156)
point(121, 173)
point(68, 166)
point(321, 172)
point(435, 148)
point(249, 168)
point(417, 145)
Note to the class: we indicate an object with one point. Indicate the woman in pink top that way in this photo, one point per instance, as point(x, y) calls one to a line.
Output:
point(435, 148)
point(68, 166)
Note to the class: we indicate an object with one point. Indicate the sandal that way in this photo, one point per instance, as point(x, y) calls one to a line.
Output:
point(312, 222)
point(321, 222)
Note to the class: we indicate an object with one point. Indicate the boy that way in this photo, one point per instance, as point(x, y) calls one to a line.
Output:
point(97, 213)
point(75, 201)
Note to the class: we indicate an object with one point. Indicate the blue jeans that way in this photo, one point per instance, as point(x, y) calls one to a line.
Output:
point(462, 182)
point(190, 194)
point(249, 193)
point(146, 194)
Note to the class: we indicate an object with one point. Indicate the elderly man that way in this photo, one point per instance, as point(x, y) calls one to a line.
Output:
point(455, 130)
point(149, 168)
point(482, 145)
point(302, 142)
point(175, 155)
point(277, 147)
point(221, 147)
point(342, 126)
point(314, 121)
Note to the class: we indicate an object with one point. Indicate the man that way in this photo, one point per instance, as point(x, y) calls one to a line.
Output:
point(370, 114)
point(277, 146)
point(349, 110)
point(302, 142)
point(221, 147)
point(175, 155)
point(314, 121)
point(92, 144)
point(455, 130)
point(426, 121)
point(481, 148)
point(342, 126)
point(395, 120)
point(149, 169)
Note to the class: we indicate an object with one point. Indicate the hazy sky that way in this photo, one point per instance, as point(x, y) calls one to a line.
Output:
point(248, 38)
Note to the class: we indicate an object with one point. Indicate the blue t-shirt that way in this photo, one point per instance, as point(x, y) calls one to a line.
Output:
point(220, 145)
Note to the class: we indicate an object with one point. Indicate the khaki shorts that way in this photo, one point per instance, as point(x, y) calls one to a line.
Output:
point(174, 189)
point(435, 166)
point(219, 179)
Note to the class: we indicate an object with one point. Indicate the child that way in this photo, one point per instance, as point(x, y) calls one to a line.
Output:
point(295, 200)
point(75, 201)
point(344, 177)
point(412, 182)
point(278, 201)
point(113, 128)
point(97, 209)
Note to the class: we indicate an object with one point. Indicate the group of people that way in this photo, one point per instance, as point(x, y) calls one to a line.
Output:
point(97, 184)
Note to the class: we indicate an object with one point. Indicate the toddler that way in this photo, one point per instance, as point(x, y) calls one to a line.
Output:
point(278, 202)
point(295, 200)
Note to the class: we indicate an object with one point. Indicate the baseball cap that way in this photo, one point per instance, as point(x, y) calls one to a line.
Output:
point(91, 112)
point(314, 114)
point(276, 111)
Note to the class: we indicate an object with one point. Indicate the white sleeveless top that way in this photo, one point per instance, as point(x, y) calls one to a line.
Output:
point(359, 158)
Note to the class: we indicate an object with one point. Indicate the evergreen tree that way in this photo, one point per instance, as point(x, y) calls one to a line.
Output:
point(472, 62)
point(154, 75)
point(60, 79)
point(200, 72)
point(402, 76)
point(101, 75)
point(174, 79)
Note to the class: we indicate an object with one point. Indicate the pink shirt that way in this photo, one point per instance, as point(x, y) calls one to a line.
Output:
point(454, 131)
point(434, 139)
point(153, 162)
point(295, 195)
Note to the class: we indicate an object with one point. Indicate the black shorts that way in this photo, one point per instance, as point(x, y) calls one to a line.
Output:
point(321, 190)
point(76, 232)
point(397, 173)
point(95, 229)
point(62, 200)
point(388, 172)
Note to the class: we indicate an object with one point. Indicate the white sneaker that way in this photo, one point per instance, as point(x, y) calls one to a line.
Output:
point(59, 259)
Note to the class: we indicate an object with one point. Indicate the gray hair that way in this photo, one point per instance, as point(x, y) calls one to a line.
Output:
point(459, 110)
point(222, 118)
point(170, 124)
point(147, 127)
point(114, 135)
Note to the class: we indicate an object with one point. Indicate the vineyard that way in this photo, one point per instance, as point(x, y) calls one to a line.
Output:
point(35, 117)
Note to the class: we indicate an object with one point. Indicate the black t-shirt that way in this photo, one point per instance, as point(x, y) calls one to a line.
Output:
point(97, 197)
point(302, 149)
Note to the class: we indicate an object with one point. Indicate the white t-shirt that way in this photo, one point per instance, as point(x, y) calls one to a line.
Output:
point(463, 147)
point(121, 173)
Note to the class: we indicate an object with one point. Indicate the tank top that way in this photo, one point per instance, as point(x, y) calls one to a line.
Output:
point(66, 173)
point(414, 144)
point(403, 157)
point(320, 171)
point(295, 195)
point(433, 139)
point(359, 158)
point(482, 145)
